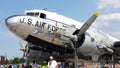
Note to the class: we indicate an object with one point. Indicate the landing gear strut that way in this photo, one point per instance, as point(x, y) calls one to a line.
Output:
point(75, 54)
point(75, 59)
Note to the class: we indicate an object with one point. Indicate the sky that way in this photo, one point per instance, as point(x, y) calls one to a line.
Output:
point(80, 10)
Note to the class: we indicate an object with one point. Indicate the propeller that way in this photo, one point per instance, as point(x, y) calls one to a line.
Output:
point(23, 48)
point(80, 32)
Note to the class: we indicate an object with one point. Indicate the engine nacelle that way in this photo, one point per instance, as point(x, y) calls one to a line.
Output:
point(39, 56)
point(80, 40)
point(37, 53)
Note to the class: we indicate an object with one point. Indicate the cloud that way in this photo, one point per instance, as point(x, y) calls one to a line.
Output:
point(108, 4)
point(105, 20)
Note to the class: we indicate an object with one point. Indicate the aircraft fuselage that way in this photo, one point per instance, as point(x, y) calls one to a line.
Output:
point(58, 32)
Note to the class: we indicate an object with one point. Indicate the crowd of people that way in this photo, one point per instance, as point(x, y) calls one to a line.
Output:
point(50, 64)
point(22, 65)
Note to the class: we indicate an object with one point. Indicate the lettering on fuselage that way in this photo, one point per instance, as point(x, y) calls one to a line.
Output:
point(40, 24)
point(29, 21)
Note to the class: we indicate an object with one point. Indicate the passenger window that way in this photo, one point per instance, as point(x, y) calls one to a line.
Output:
point(73, 26)
point(87, 34)
point(92, 39)
point(31, 14)
point(36, 14)
point(42, 15)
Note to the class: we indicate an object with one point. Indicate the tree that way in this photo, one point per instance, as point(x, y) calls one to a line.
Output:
point(22, 60)
point(16, 60)
point(2, 58)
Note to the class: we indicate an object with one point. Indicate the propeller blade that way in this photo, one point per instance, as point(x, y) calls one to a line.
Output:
point(87, 24)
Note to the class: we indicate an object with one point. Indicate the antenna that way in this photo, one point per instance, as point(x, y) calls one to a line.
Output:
point(45, 9)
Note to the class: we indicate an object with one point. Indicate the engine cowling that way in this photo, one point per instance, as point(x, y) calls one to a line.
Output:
point(80, 40)
point(37, 53)
point(39, 56)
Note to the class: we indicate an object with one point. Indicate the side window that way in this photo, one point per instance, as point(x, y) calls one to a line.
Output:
point(73, 26)
point(92, 39)
point(42, 15)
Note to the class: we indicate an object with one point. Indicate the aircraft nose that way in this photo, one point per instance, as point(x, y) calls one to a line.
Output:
point(7, 22)
point(10, 22)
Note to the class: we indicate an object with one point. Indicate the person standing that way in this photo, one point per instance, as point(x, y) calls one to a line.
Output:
point(52, 63)
point(10, 66)
point(34, 65)
point(28, 65)
point(15, 66)
point(44, 65)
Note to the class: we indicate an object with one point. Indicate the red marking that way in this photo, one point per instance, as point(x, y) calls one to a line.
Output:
point(56, 23)
point(54, 33)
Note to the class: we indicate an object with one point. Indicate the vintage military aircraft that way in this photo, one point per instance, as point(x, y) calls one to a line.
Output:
point(49, 33)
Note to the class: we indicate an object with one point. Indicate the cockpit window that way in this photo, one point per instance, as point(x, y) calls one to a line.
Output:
point(42, 15)
point(36, 14)
point(31, 14)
